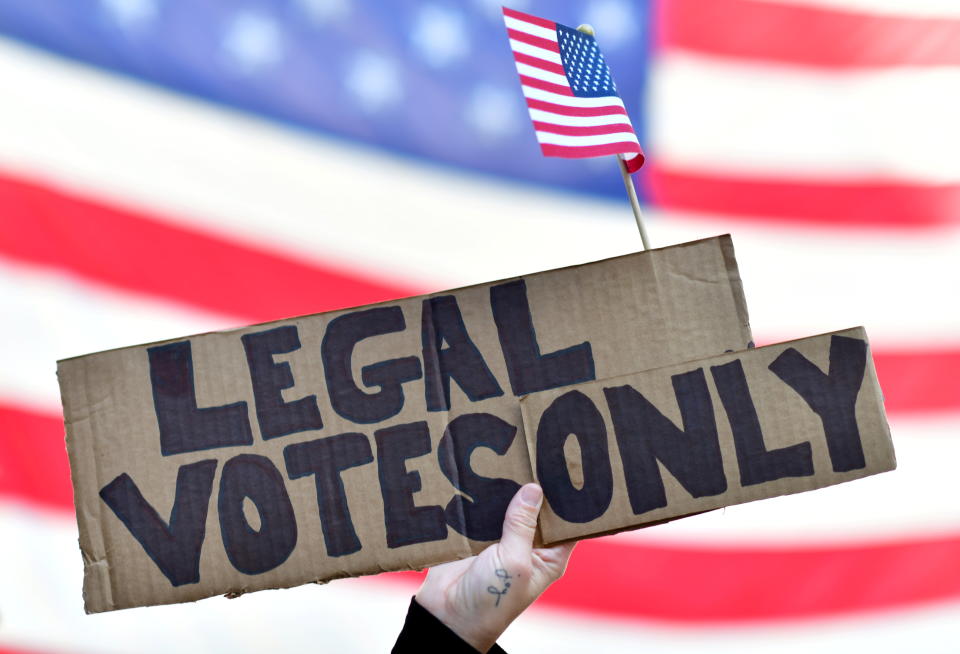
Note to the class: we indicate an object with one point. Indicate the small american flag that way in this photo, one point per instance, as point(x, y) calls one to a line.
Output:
point(573, 101)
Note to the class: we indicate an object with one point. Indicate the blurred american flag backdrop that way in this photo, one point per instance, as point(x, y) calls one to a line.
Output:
point(169, 167)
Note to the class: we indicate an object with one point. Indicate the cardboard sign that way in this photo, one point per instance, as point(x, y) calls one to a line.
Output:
point(618, 453)
point(380, 438)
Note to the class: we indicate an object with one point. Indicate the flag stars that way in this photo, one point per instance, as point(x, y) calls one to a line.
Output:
point(440, 35)
point(130, 14)
point(321, 12)
point(494, 112)
point(374, 81)
point(253, 42)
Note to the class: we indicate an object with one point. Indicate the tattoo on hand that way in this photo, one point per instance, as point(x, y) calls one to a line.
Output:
point(504, 578)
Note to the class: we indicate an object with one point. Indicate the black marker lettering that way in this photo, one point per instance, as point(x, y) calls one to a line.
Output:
point(574, 414)
point(276, 417)
point(184, 427)
point(528, 369)
point(326, 458)
point(174, 546)
point(645, 436)
point(832, 396)
point(406, 523)
point(442, 323)
point(253, 551)
point(480, 518)
point(757, 464)
point(349, 401)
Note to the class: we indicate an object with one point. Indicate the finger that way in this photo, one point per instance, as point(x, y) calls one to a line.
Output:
point(520, 524)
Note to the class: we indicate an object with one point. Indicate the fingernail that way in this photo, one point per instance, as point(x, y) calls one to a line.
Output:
point(531, 494)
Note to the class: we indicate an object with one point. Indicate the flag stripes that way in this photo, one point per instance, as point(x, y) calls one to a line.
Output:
point(578, 130)
point(817, 37)
point(528, 21)
point(540, 73)
point(828, 203)
point(543, 119)
point(34, 458)
point(610, 111)
point(546, 47)
point(534, 83)
point(133, 250)
point(614, 104)
point(537, 62)
point(535, 51)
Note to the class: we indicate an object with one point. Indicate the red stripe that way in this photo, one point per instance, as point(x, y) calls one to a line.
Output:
point(537, 62)
point(715, 585)
point(807, 36)
point(579, 152)
point(564, 110)
point(529, 39)
point(132, 250)
point(33, 458)
point(571, 130)
point(559, 89)
point(527, 18)
point(864, 203)
point(922, 381)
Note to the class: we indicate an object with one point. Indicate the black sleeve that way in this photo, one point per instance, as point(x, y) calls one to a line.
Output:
point(422, 632)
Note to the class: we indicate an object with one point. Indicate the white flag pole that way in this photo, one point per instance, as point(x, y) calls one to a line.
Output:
point(634, 203)
point(627, 179)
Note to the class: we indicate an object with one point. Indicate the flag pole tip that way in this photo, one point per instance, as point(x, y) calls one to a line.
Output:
point(586, 28)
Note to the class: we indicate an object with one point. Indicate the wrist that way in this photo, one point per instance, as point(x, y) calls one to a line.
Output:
point(479, 637)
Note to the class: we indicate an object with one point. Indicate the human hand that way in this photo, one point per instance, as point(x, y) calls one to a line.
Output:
point(480, 596)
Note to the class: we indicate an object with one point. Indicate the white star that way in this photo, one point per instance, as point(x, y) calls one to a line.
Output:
point(374, 81)
point(493, 111)
point(440, 35)
point(252, 41)
point(130, 14)
point(324, 11)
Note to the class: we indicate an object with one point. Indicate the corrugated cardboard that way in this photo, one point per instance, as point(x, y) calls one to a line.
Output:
point(322, 447)
point(620, 453)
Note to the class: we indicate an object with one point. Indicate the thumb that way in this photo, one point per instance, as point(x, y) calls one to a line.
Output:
point(520, 524)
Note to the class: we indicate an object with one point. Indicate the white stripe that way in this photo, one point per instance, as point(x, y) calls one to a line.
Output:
point(530, 28)
point(583, 141)
point(59, 317)
point(895, 8)
point(42, 612)
point(534, 51)
point(569, 100)
point(539, 73)
point(749, 118)
point(578, 121)
point(931, 629)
